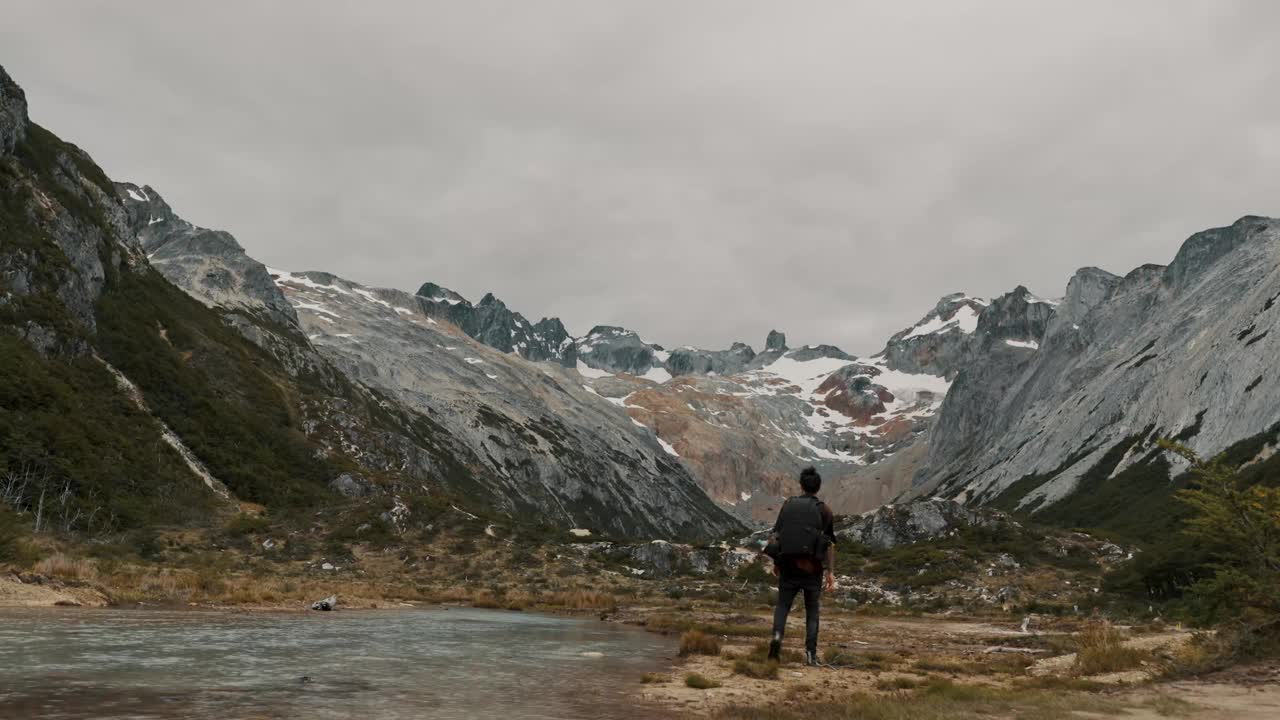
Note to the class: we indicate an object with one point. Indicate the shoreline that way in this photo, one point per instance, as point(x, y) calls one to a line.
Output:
point(883, 657)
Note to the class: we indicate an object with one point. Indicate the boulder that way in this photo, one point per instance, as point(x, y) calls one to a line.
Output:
point(325, 605)
point(351, 486)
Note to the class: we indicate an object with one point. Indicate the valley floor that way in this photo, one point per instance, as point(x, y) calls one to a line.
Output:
point(880, 664)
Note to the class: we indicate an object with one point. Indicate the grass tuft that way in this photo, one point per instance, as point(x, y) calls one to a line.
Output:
point(700, 682)
point(696, 642)
point(65, 567)
point(759, 670)
point(1102, 650)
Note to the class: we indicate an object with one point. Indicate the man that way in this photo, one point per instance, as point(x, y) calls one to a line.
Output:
point(802, 546)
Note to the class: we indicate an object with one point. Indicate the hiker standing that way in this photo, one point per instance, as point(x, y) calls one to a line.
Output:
point(802, 546)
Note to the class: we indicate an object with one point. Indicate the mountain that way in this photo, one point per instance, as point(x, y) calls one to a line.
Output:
point(491, 323)
point(1020, 401)
point(288, 388)
point(137, 403)
point(1058, 408)
point(744, 423)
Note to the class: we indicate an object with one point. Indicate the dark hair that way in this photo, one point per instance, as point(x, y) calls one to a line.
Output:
point(810, 480)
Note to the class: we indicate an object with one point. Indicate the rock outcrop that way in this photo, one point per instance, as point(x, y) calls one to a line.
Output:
point(208, 264)
point(918, 521)
point(939, 344)
point(62, 230)
point(13, 114)
point(492, 323)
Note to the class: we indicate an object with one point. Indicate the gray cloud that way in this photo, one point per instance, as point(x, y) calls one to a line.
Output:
point(700, 172)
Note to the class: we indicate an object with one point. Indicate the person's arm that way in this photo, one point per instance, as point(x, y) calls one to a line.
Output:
point(829, 562)
point(830, 565)
point(773, 535)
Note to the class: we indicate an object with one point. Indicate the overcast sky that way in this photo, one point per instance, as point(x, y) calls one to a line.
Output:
point(698, 171)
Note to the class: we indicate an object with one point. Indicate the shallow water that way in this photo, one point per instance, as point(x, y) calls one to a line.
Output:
point(109, 664)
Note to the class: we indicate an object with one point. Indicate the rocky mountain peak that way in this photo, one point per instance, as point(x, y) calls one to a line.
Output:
point(13, 113)
point(775, 341)
point(1018, 316)
point(608, 331)
point(1204, 248)
point(491, 322)
point(1087, 289)
point(209, 264)
point(813, 352)
point(938, 343)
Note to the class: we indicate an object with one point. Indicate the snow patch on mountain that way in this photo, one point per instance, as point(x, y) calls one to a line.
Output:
point(965, 320)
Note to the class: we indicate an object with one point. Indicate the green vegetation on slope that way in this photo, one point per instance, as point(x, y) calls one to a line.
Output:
point(1190, 527)
point(67, 434)
point(215, 389)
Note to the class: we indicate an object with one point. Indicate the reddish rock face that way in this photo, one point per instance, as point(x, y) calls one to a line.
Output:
point(851, 392)
point(729, 458)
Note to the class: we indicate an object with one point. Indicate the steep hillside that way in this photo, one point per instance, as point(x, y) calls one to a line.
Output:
point(130, 404)
point(1069, 409)
point(536, 443)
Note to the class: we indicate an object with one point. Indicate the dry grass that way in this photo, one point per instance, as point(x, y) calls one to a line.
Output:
point(873, 661)
point(902, 682)
point(996, 664)
point(939, 700)
point(581, 600)
point(676, 623)
point(760, 670)
point(653, 678)
point(760, 653)
point(65, 567)
point(1102, 650)
point(700, 682)
point(696, 642)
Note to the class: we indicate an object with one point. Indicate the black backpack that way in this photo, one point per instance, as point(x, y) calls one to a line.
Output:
point(800, 528)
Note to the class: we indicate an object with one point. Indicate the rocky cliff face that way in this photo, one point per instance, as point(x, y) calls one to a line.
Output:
point(1183, 350)
point(546, 444)
point(209, 264)
point(939, 342)
point(63, 233)
point(13, 114)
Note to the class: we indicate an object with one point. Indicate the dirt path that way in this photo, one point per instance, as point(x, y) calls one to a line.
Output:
point(1215, 701)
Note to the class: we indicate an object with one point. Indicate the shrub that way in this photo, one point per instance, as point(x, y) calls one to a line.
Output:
point(67, 568)
point(245, 524)
point(13, 544)
point(1102, 650)
point(700, 682)
point(1241, 525)
point(696, 642)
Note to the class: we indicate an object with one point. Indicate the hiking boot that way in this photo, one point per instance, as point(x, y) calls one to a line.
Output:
point(775, 650)
point(811, 658)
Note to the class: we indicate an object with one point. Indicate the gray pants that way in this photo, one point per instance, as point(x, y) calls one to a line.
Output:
point(790, 585)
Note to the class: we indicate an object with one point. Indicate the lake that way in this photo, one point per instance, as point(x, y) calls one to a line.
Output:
point(419, 663)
